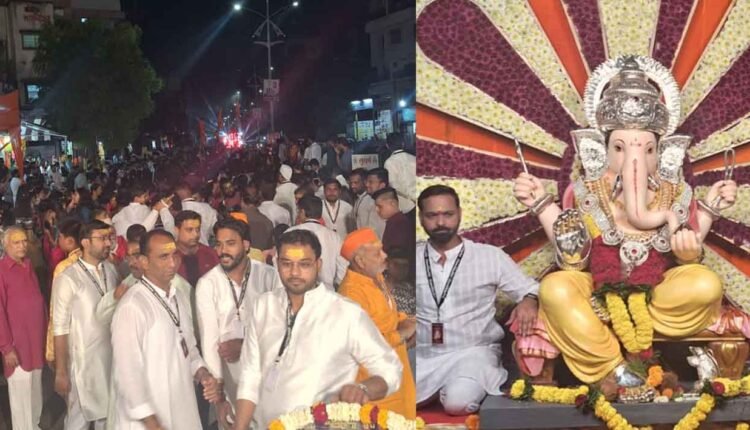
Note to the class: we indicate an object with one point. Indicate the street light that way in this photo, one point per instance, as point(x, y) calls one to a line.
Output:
point(268, 23)
point(402, 103)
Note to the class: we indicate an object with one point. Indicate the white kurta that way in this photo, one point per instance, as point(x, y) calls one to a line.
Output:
point(152, 375)
point(277, 214)
point(335, 216)
point(334, 265)
point(285, 198)
point(331, 338)
point(82, 313)
point(471, 335)
point(402, 173)
point(136, 213)
point(218, 322)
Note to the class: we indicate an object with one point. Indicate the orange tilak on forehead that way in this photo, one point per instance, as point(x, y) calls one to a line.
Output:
point(294, 253)
point(169, 247)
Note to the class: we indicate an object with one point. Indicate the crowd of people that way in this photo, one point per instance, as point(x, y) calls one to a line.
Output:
point(166, 291)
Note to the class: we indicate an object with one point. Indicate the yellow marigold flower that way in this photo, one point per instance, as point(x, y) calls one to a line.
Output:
point(364, 414)
point(383, 419)
point(275, 425)
point(420, 423)
point(743, 426)
point(516, 390)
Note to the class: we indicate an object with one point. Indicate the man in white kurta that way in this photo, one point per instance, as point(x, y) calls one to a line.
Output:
point(156, 357)
point(335, 210)
point(460, 358)
point(224, 298)
point(334, 265)
point(305, 344)
point(208, 214)
point(83, 300)
point(285, 191)
point(277, 214)
point(402, 168)
point(138, 213)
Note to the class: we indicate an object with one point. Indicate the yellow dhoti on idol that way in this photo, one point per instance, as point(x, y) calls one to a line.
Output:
point(686, 302)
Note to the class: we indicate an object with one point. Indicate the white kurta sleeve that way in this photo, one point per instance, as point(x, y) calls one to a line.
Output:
point(341, 266)
point(63, 291)
point(208, 326)
point(167, 220)
point(150, 220)
point(128, 328)
point(512, 280)
point(251, 376)
point(370, 350)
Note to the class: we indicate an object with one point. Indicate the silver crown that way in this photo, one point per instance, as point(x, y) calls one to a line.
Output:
point(625, 93)
point(631, 102)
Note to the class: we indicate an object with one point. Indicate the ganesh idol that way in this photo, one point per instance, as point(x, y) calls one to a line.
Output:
point(629, 238)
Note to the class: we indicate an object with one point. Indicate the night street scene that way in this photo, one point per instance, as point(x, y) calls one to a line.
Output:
point(207, 214)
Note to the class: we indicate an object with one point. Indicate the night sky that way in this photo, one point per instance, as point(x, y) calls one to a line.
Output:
point(204, 53)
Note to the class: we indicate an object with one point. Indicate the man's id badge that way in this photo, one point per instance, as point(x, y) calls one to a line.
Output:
point(184, 346)
point(272, 376)
point(437, 333)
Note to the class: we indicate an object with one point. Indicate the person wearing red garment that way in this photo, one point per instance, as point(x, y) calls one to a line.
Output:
point(23, 322)
point(194, 258)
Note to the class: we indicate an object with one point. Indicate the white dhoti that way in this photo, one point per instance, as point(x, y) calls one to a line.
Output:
point(25, 393)
point(463, 378)
point(75, 419)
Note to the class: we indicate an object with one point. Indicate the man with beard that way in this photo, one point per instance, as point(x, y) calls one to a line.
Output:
point(156, 358)
point(335, 210)
point(83, 300)
point(360, 209)
point(305, 343)
point(207, 214)
point(458, 339)
point(224, 298)
point(194, 258)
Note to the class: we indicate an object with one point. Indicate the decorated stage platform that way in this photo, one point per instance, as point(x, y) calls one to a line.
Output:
point(500, 412)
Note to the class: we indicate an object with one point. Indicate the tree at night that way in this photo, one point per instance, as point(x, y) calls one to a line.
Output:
point(98, 84)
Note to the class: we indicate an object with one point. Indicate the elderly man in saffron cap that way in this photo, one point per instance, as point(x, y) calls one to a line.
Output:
point(364, 283)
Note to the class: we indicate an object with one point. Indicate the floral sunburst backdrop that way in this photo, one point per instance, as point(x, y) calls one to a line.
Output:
point(489, 71)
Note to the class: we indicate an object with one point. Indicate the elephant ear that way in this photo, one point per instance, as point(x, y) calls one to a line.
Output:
point(591, 148)
point(671, 155)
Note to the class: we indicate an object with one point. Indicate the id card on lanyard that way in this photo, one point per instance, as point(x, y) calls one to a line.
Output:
point(438, 335)
point(272, 375)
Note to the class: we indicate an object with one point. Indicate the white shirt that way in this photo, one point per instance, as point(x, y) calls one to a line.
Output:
point(84, 314)
point(277, 214)
point(136, 213)
point(335, 216)
point(15, 184)
point(218, 321)
point(402, 173)
point(80, 181)
point(471, 335)
point(332, 336)
point(208, 218)
point(367, 215)
point(316, 152)
point(334, 265)
point(152, 375)
point(285, 198)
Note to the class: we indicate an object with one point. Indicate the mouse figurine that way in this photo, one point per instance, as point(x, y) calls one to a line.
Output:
point(704, 362)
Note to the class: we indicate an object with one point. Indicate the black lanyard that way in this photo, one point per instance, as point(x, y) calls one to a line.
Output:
point(333, 219)
point(243, 289)
point(175, 317)
point(290, 320)
point(99, 288)
point(448, 283)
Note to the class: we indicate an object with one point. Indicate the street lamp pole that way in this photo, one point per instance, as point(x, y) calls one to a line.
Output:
point(270, 68)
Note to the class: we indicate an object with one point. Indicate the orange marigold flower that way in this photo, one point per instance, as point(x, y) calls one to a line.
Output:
point(472, 422)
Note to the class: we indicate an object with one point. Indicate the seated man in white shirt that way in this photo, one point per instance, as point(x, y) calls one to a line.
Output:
point(458, 339)
point(305, 344)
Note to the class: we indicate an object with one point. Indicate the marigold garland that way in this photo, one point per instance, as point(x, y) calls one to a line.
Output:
point(472, 422)
point(644, 325)
point(655, 376)
point(698, 413)
point(621, 323)
point(743, 426)
point(275, 425)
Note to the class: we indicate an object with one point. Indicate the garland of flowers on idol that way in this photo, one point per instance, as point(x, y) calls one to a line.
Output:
point(588, 398)
point(371, 416)
point(631, 322)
